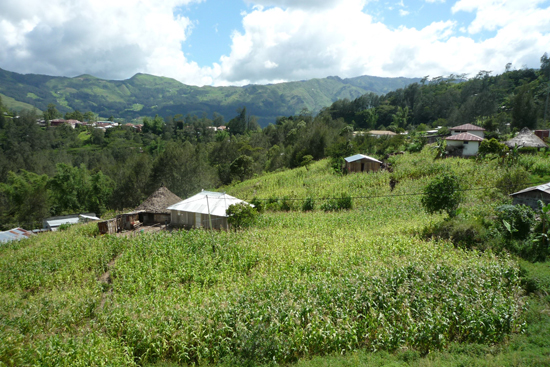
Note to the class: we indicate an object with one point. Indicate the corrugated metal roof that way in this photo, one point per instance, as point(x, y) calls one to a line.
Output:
point(218, 202)
point(469, 127)
point(15, 234)
point(358, 157)
point(544, 188)
point(464, 137)
point(57, 222)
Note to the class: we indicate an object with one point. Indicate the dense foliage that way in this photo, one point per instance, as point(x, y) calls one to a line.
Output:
point(293, 285)
point(59, 170)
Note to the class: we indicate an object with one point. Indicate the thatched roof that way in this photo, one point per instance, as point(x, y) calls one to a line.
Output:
point(525, 138)
point(159, 201)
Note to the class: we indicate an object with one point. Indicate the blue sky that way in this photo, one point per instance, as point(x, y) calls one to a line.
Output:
point(237, 42)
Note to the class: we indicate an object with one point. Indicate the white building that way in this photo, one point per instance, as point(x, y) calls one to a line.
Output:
point(198, 210)
point(469, 143)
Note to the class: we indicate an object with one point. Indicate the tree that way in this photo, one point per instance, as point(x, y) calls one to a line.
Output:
point(27, 199)
point(241, 167)
point(241, 215)
point(75, 115)
point(51, 113)
point(524, 113)
point(89, 116)
point(442, 194)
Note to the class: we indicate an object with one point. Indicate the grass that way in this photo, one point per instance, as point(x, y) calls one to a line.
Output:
point(355, 287)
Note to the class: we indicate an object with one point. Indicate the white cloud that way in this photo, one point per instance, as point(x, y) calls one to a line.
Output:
point(403, 12)
point(281, 40)
point(346, 41)
point(110, 39)
point(495, 14)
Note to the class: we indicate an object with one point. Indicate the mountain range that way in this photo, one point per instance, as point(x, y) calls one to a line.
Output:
point(148, 95)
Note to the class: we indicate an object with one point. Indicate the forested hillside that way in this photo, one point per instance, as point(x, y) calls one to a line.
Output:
point(59, 170)
point(147, 95)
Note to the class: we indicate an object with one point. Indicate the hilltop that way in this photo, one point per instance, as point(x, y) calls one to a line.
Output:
point(148, 95)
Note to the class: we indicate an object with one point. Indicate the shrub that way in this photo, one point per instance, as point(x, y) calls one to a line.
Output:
point(258, 204)
point(465, 233)
point(515, 221)
point(341, 203)
point(513, 180)
point(241, 215)
point(442, 194)
point(309, 204)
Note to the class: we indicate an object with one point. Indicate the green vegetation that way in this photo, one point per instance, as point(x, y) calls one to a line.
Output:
point(360, 286)
point(144, 95)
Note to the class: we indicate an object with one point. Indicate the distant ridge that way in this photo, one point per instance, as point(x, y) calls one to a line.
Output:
point(148, 95)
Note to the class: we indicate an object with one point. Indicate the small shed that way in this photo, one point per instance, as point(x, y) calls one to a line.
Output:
point(153, 209)
point(108, 226)
point(53, 223)
point(14, 234)
point(531, 196)
point(128, 221)
point(466, 143)
point(526, 139)
point(194, 211)
point(362, 163)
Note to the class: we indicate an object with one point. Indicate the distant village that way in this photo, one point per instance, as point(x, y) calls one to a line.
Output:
point(209, 209)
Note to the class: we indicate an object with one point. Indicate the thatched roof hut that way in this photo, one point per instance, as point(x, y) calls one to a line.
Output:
point(154, 208)
point(159, 201)
point(525, 138)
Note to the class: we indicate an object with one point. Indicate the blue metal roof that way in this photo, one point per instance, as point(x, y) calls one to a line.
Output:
point(15, 234)
point(358, 157)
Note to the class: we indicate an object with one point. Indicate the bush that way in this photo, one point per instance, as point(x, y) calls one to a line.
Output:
point(309, 204)
point(464, 233)
point(241, 215)
point(442, 194)
point(513, 180)
point(341, 203)
point(258, 204)
point(515, 221)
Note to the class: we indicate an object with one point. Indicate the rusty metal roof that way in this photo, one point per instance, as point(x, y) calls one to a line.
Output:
point(15, 234)
point(544, 188)
point(217, 202)
point(464, 137)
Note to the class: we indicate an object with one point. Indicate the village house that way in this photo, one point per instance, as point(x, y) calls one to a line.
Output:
point(381, 133)
point(362, 163)
point(53, 223)
point(531, 196)
point(465, 140)
point(204, 210)
point(526, 139)
point(154, 208)
point(468, 128)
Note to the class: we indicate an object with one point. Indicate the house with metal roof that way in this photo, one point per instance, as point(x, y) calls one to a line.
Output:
point(362, 163)
point(463, 144)
point(468, 128)
point(14, 234)
point(53, 223)
point(198, 210)
point(531, 196)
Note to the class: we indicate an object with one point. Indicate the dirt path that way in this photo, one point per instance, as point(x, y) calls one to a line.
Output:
point(106, 277)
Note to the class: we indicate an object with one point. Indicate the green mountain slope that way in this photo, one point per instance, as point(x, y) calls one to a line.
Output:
point(144, 95)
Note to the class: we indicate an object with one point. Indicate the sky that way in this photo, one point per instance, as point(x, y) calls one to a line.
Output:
point(239, 42)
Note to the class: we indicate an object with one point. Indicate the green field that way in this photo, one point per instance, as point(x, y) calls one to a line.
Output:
point(355, 287)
